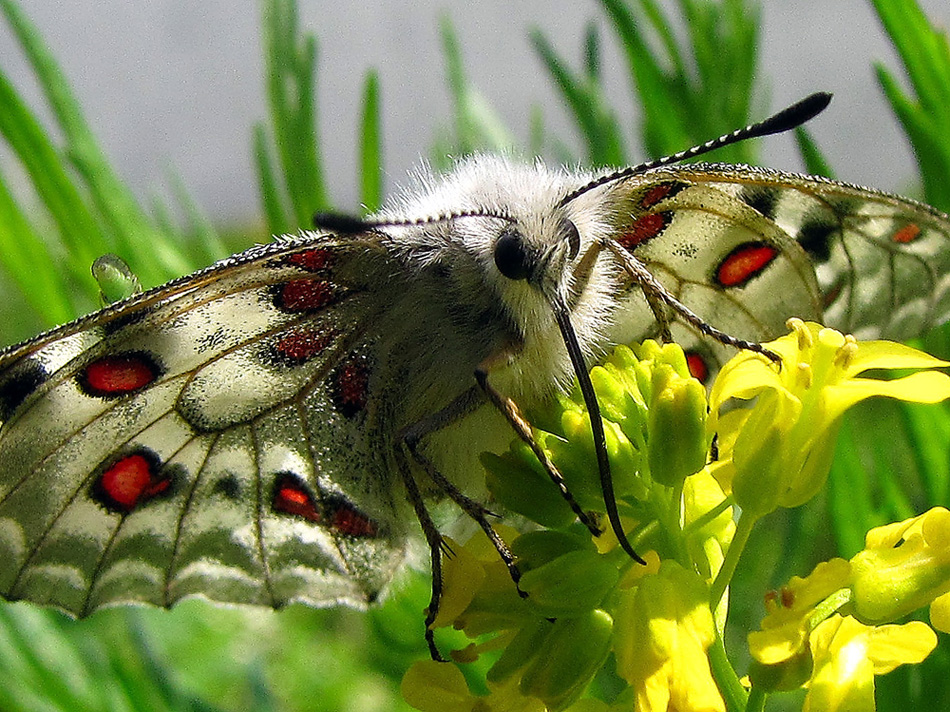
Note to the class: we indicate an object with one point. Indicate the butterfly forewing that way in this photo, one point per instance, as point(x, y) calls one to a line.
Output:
point(749, 247)
point(209, 437)
point(882, 261)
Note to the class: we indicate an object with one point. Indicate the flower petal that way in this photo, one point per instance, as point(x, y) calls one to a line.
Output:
point(888, 354)
point(894, 645)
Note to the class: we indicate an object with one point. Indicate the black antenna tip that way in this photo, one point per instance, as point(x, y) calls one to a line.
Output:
point(796, 114)
point(341, 223)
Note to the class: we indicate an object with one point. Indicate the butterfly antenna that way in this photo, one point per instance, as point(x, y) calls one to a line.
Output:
point(596, 426)
point(785, 120)
point(351, 224)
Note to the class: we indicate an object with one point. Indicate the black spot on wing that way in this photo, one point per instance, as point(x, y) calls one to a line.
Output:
point(815, 237)
point(760, 198)
point(22, 380)
point(228, 486)
point(134, 316)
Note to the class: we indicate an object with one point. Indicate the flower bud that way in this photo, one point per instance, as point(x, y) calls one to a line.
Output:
point(904, 567)
point(570, 584)
point(574, 650)
point(677, 415)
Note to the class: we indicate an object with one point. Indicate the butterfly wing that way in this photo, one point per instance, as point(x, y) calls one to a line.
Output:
point(210, 437)
point(746, 248)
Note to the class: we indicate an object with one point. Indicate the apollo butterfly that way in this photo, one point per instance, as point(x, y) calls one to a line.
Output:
point(262, 431)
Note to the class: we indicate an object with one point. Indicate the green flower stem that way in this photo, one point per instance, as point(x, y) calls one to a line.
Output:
point(709, 516)
point(643, 534)
point(739, 540)
point(675, 524)
point(756, 701)
point(834, 603)
point(733, 693)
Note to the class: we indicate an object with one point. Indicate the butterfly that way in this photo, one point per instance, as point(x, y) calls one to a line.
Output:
point(266, 430)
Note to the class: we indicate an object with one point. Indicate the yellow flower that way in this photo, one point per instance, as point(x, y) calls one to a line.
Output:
point(664, 629)
point(805, 640)
point(903, 567)
point(785, 627)
point(780, 652)
point(777, 452)
point(847, 655)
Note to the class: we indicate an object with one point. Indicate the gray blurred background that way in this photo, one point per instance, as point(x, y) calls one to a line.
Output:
point(172, 86)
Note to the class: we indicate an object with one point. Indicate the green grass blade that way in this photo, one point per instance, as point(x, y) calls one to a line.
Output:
point(371, 146)
point(594, 120)
point(477, 126)
point(924, 132)
point(925, 53)
point(21, 249)
point(78, 230)
point(663, 130)
point(815, 162)
point(592, 52)
point(694, 90)
point(653, 14)
point(929, 431)
point(850, 502)
point(127, 229)
point(203, 240)
point(275, 213)
point(290, 64)
point(39, 655)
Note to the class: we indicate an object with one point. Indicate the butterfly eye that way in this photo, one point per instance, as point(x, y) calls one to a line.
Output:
point(511, 258)
point(573, 238)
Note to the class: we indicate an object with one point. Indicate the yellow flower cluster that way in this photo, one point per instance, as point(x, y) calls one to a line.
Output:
point(660, 626)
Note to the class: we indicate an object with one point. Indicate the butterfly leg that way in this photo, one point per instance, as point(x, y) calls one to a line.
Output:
point(655, 291)
point(522, 427)
point(410, 437)
point(436, 547)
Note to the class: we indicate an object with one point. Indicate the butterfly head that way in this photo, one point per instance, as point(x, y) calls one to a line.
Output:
point(530, 248)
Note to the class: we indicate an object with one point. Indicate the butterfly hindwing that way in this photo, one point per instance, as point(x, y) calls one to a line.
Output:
point(180, 443)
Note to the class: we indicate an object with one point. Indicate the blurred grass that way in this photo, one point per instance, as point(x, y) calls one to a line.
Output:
point(692, 86)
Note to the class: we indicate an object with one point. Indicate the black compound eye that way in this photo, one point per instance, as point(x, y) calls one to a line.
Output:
point(573, 237)
point(511, 258)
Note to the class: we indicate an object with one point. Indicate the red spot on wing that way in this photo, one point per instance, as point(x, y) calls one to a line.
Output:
point(291, 497)
point(304, 344)
point(351, 386)
point(315, 260)
point(118, 375)
point(659, 192)
point(698, 368)
point(744, 263)
point(299, 295)
point(906, 234)
point(645, 228)
point(131, 481)
point(346, 519)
